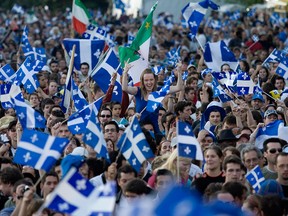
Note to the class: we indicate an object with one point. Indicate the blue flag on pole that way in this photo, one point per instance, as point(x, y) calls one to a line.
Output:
point(245, 84)
point(39, 150)
point(255, 178)
point(7, 74)
point(282, 69)
point(75, 195)
point(103, 74)
point(188, 146)
point(78, 121)
point(94, 33)
point(94, 137)
point(86, 51)
point(217, 54)
point(134, 146)
point(6, 101)
point(26, 74)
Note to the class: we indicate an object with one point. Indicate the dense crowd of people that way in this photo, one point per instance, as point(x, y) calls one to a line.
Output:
point(228, 142)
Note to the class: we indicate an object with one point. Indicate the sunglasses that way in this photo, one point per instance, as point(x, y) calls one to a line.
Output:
point(273, 150)
point(103, 116)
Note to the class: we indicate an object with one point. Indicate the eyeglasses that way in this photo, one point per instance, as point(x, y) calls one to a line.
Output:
point(273, 150)
point(107, 116)
point(110, 130)
point(285, 149)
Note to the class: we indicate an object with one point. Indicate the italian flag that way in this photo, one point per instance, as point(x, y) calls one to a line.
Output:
point(80, 16)
point(138, 52)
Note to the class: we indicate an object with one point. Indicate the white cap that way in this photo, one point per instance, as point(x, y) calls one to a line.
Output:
point(80, 151)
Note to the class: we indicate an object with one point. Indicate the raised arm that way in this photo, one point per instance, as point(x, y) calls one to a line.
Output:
point(129, 89)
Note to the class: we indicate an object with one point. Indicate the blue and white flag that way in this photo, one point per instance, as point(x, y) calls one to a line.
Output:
point(17, 9)
point(119, 5)
point(94, 33)
point(25, 44)
point(215, 24)
point(103, 74)
point(134, 146)
point(284, 94)
point(155, 98)
point(130, 38)
point(274, 56)
point(26, 74)
point(275, 18)
point(245, 85)
point(252, 12)
point(219, 92)
point(194, 13)
point(7, 74)
point(94, 136)
point(71, 91)
point(28, 117)
point(40, 54)
point(235, 16)
point(75, 196)
point(173, 56)
point(255, 178)
point(5, 97)
point(282, 69)
point(110, 40)
point(217, 54)
point(273, 129)
point(257, 88)
point(86, 51)
point(228, 79)
point(39, 150)
point(255, 39)
point(188, 146)
point(157, 69)
point(78, 121)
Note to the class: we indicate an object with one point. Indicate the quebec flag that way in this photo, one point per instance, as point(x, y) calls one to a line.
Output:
point(244, 84)
point(7, 74)
point(134, 146)
point(217, 54)
point(103, 74)
point(86, 51)
point(255, 178)
point(39, 150)
point(282, 69)
point(76, 196)
point(188, 146)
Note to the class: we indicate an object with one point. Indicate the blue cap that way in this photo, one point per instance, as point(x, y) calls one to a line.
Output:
point(258, 97)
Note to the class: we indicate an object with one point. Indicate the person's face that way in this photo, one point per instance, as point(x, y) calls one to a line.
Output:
point(256, 104)
point(110, 146)
point(149, 82)
point(18, 194)
point(160, 114)
point(163, 183)
point(165, 147)
point(251, 160)
point(232, 172)
point(34, 101)
point(209, 78)
point(282, 168)
point(110, 132)
point(185, 115)
point(270, 118)
point(116, 110)
point(63, 79)
point(124, 179)
point(184, 166)
point(58, 170)
point(6, 188)
point(105, 116)
point(12, 134)
point(190, 96)
point(279, 84)
point(43, 82)
point(161, 76)
point(226, 68)
point(213, 161)
point(47, 107)
point(54, 67)
point(64, 132)
point(84, 70)
point(53, 88)
point(84, 170)
point(10, 112)
point(262, 73)
point(49, 185)
point(131, 112)
point(215, 118)
point(273, 149)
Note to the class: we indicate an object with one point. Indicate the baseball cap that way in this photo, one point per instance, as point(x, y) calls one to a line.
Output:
point(258, 97)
